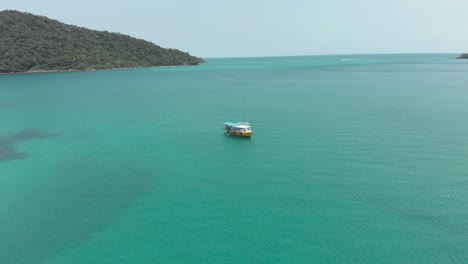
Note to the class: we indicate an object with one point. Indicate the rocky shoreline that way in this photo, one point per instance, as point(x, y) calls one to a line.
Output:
point(88, 70)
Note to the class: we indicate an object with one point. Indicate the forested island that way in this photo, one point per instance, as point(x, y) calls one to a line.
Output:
point(31, 43)
point(463, 56)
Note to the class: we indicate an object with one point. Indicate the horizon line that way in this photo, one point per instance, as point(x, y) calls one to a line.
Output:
point(331, 54)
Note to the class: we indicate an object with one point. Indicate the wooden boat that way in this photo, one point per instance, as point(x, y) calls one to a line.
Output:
point(241, 129)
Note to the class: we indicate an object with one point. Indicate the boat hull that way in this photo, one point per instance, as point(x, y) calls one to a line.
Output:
point(240, 134)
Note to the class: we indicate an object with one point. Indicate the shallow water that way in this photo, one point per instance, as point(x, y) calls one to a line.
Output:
point(355, 159)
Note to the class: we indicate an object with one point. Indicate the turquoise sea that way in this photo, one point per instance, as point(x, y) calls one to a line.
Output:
point(355, 159)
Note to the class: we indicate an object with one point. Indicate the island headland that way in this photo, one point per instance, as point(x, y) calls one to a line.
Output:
point(31, 43)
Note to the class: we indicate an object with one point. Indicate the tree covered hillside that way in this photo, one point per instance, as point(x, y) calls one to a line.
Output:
point(36, 43)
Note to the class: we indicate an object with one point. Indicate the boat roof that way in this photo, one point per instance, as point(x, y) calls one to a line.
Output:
point(238, 124)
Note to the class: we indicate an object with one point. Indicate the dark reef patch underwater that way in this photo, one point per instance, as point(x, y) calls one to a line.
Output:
point(8, 143)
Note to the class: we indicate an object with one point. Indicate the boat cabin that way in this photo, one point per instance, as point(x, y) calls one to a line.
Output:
point(238, 129)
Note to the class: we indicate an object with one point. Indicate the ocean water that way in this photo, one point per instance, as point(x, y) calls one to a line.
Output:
point(355, 159)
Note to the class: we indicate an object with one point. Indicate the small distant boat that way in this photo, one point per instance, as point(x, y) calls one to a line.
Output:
point(241, 129)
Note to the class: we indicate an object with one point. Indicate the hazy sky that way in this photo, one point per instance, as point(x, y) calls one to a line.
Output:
point(217, 28)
